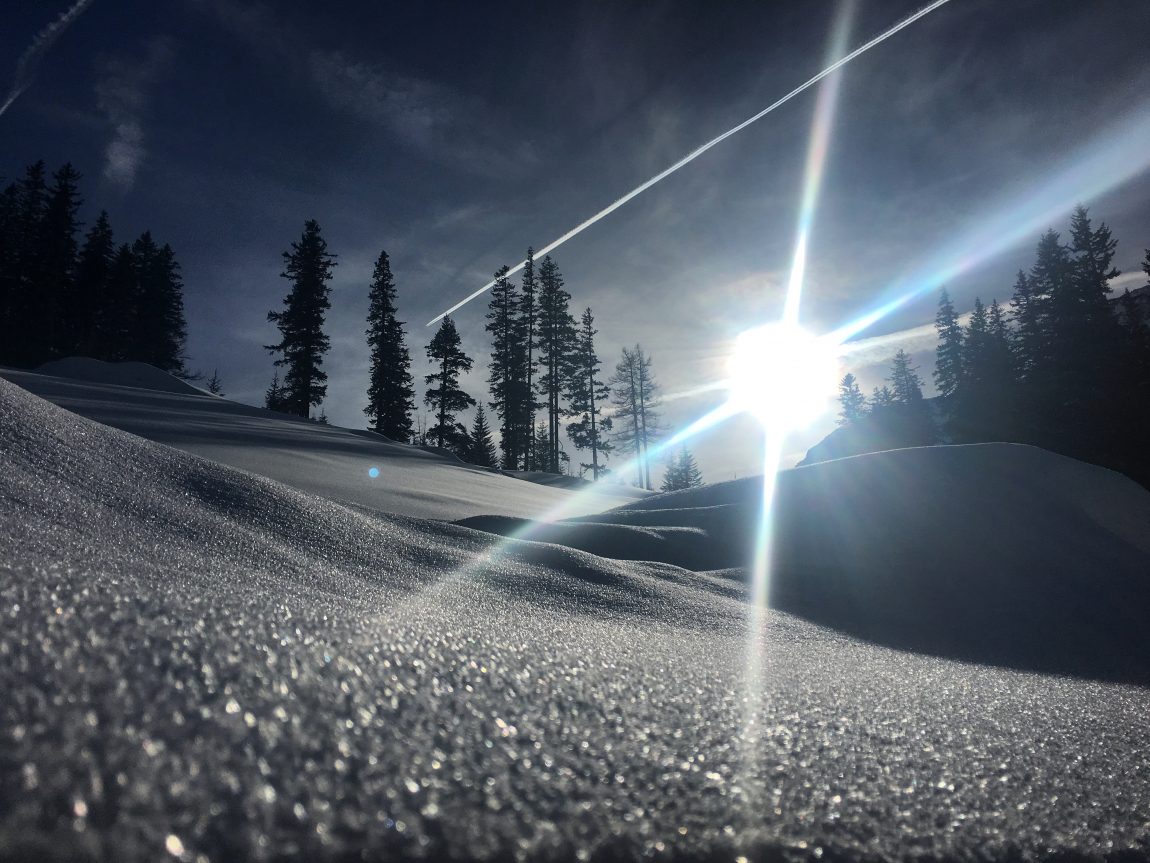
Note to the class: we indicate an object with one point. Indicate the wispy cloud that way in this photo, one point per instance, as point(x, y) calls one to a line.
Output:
point(123, 91)
point(30, 60)
point(437, 121)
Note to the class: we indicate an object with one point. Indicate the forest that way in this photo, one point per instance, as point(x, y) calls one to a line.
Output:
point(1062, 365)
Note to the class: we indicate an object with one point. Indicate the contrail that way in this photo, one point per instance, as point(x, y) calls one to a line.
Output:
point(30, 60)
point(694, 154)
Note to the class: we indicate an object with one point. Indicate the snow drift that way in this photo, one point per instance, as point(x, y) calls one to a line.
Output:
point(325, 460)
point(200, 661)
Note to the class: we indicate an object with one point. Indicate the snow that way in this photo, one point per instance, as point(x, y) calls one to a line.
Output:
point(325, 460)
point(199, 660)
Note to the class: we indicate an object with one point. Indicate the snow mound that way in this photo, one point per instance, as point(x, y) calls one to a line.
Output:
point(122, 374)
point(997, 553)
point(333, 462)
point(201, 663)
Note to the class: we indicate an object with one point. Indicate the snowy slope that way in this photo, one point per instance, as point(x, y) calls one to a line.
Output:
point(324, 460)
point(200, 663)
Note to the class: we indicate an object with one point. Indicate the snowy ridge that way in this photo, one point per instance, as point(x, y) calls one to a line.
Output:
point(326, 460)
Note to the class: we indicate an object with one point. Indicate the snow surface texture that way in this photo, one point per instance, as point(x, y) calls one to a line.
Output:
point(325, 460)
point(202, 664)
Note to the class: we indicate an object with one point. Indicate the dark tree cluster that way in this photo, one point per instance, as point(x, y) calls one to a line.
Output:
point(541, 359)
point(542, 362)
point(60, 296)
point(1066, 368)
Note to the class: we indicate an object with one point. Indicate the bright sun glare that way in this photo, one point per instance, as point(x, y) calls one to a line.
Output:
point(782, 375)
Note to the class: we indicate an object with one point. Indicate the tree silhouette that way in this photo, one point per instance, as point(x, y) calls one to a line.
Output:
point(303, 343)
point(556, 346)
point(634, 393)
point(157, 332)
point(390, 394)
point(852, 403)
point(482, 448)
point(682, 472)
point(948, 354)
point(506, 372)
point(215, 385)
point(586, 395)
point(443, 392)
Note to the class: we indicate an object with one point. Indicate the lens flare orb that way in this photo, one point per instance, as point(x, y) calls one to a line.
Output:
point(782, 375)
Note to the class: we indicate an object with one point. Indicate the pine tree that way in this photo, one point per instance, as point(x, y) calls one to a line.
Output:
point(158, 331)
point(506, 371)
point(303, 343)
point(482, 448)
point(881, 400)
point(908, 418)
point(57, 264)
point(390, 394)
point(948, 363)
point(115, 317)
point(89, 296)
point(1029, 335)
point(851, 400)
point(22, 344)
point(274, 396)
point(906, 385)
point(556, 346)
point(443, 392)
point(528, 332)
point(682, 472)
point(586, 394)
point(634, 393)
point(9, 267)
point(215, 385)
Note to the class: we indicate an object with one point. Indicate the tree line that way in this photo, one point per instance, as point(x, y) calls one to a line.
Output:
point(62, 296)
point(544, 374)
point(1065, 367)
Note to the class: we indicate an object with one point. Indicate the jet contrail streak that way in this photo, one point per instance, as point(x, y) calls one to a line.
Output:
point(30, 60)
point(694, 154)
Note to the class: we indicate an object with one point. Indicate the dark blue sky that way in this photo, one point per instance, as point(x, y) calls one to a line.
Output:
point(456, 134)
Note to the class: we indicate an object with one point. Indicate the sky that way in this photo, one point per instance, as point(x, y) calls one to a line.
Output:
point(454, 135)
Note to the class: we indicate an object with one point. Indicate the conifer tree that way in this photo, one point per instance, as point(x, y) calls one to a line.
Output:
point(556, 344)
point(215, 385)
point(303, 343)
point(22, 343)
point(274, 395)
point(56, 254)
point(881, 399)
point(682, 472)
point(482, 448)
point(948, 363)
point(506, 371)
point(1029, 335)
point(116, 316)
point(390, 394)
point(443, 392)
point(852, 403)
point(158, 331)
point(905, 384)
point(89, 295)
point(586, 394)
point(528, 332)
point(634, 393)
point(9, 267)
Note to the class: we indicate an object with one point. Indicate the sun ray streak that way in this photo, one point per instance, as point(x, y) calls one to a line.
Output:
point(696, 153)
point(821, 127)
point(1113, 158)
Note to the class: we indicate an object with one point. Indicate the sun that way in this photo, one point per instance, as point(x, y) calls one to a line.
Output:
point(782, 375)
